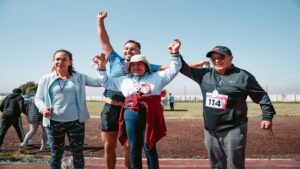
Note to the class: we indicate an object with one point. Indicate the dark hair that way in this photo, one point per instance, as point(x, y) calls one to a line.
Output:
point(17, 90)
point(146, 66)
point(71, 69)
point(135, 42)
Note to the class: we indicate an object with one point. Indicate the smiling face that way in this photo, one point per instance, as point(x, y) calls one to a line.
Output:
point(130, 49)
point(221, 63)
point(138, 68)
point(61, 62)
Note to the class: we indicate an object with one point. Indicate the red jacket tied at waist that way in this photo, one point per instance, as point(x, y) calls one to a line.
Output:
point(155, 121)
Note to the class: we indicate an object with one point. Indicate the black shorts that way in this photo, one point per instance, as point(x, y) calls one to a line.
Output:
point(110, 118)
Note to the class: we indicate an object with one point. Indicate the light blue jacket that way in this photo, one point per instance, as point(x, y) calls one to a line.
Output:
point(42, 97)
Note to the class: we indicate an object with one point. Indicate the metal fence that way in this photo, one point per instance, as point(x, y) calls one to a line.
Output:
point(273, 97)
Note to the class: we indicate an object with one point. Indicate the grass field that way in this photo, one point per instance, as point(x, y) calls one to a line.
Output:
point(194, 109)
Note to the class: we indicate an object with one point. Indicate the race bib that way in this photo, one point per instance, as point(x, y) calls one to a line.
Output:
point(215, 100)
point(143, 87)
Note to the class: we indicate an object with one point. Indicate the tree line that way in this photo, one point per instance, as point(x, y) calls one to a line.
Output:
point(28, 88)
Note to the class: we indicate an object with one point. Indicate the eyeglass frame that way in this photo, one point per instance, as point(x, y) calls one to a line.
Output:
point(221, 58)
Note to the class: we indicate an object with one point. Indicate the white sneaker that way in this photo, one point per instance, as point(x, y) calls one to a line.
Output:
point(23, 145)
point(44, 147)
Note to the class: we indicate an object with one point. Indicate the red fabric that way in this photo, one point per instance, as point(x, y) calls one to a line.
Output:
point(155, 121)
point(163, 93)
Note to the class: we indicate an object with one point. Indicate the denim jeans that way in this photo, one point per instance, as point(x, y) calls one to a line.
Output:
point(75, 133)
point(33, 128)
point(135, 123)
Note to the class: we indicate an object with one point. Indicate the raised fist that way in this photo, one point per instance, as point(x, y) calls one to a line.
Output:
point(174, 46)
point(101, 15)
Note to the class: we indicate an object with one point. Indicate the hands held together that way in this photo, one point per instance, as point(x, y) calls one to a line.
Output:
point(174, 46)
point(101, 60)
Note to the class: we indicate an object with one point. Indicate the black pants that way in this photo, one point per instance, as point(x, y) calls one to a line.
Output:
point(172, 106)
point(7, 121)
point(75, 133)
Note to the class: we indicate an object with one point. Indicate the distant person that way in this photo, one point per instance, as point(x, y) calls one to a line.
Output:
point(35, 119)
point(142, 106)
point(61, 97)
point(12, 106)
point(164, 98)
point(225, 88)
point(171, 101)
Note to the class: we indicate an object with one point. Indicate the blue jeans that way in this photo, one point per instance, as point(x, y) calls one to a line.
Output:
point(56, 133)
point(33, 128)
point(135, 123)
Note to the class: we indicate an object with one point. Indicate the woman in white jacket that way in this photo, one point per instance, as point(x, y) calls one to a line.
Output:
point(61, 99)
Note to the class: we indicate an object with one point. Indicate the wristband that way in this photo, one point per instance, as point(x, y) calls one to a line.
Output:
point(101, 69)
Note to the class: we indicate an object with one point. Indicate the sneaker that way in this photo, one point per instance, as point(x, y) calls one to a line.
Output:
point(44, 147)
point(67, 162)
point(2, 148)
point(23, 145)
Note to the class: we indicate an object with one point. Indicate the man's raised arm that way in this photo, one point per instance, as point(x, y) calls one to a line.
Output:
point(102, 34)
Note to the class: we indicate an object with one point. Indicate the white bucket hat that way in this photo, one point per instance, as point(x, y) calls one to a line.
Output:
point(137, 58)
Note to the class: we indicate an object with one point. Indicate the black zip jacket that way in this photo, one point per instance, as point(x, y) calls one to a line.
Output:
point(236, 84)
point(13, 105)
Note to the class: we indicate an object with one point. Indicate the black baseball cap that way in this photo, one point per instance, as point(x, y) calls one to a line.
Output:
point(223, 50)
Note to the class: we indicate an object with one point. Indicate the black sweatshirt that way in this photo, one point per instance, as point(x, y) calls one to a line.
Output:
point(13, 105)
point(227, 108)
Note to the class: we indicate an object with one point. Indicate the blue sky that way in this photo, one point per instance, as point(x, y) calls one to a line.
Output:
point(264, 36)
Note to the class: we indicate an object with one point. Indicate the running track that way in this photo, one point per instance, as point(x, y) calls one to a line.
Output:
point(98, 163)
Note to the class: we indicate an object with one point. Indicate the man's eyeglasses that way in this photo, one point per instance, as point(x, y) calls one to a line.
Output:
point(221, 57)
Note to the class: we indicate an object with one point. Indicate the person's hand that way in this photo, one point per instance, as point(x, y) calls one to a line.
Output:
point(174, 46)
point(101, 60)
point(47, 112)
point(205, 63)
point(101, 16)
point(266, 125)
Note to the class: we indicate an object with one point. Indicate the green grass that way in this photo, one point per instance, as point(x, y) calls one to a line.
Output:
point(19, 157)
point(95, 107)
point(194, 109)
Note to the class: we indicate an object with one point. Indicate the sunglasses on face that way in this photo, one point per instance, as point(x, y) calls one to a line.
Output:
point(220, 57)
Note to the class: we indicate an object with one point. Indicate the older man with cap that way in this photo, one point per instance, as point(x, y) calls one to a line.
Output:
point(141, 89)
point(225, 89)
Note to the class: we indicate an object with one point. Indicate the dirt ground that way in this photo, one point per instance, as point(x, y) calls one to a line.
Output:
point(185, 140)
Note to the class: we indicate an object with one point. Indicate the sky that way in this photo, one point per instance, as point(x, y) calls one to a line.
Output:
point(264, 37)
